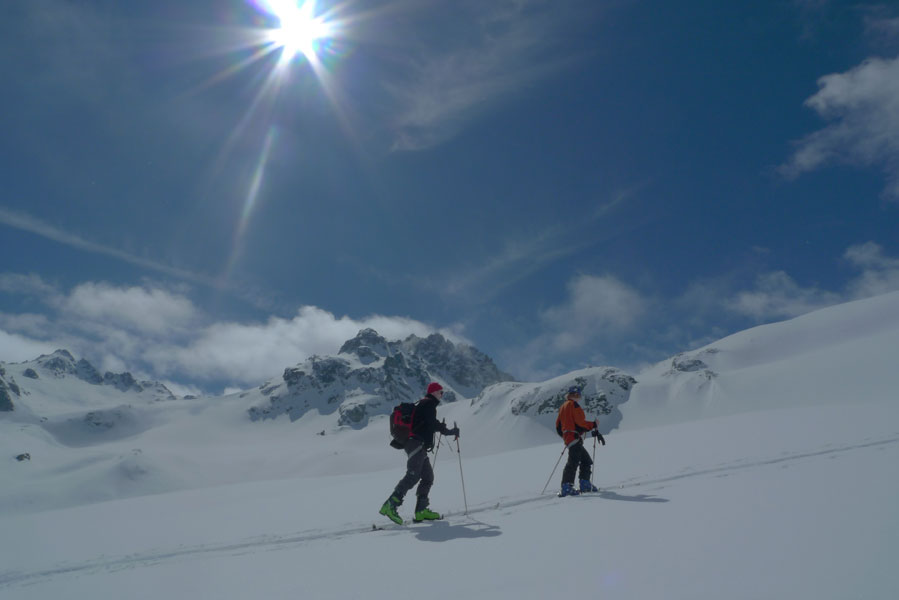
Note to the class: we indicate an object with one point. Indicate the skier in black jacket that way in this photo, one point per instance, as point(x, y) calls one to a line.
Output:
point(418, 466)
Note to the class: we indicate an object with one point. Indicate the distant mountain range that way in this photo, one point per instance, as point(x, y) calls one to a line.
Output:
point(366, 378)
point(96, 437)
point(61, 365)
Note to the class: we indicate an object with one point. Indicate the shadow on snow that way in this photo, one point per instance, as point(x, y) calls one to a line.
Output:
point(442, 531)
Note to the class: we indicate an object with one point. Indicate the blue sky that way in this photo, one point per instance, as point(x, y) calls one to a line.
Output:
point(560, 184)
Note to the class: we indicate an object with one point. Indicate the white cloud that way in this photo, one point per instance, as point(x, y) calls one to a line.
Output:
point(879, 273)
point(777, 295)
point(19, 348)
point(159, 333)
point(140, 309)
point(251, 353)
point(596, 306)
point(863, 107)
point(598, 311)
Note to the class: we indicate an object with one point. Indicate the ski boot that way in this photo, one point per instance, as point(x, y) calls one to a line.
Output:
point(426, 514)
point(423, 513)
point(388, 509)
point(587, 486)
point(568, 490)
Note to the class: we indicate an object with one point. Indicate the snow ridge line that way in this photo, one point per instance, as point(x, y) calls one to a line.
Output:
point(150, 558)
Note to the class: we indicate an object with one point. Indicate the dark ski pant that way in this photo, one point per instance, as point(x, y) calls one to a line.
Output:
point(418, 470)
point(577, 457)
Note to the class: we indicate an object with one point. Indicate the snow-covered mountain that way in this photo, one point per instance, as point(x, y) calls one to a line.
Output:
point(56, 383)
point(64, 415)
point(759, 466)
point(837, 355)
point(370, 375)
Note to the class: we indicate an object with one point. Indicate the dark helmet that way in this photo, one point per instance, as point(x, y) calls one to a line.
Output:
point(574, 390)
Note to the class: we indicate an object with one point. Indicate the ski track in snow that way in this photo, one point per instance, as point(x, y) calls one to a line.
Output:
point(275, 542)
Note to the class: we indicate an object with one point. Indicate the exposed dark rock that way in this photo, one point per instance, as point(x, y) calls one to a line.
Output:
point(86, 372)
point(59, 363)
point(367, 342)
point(392, 372)
point(122, 381)
point(601, 397)
point(6, 403)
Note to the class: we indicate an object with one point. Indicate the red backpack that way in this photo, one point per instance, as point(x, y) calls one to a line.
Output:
point(401, 420)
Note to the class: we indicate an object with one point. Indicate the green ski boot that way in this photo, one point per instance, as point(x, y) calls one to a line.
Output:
point(426, 514)
point(388, 509)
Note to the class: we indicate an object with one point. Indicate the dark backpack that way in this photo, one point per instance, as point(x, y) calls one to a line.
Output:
point(401, 423)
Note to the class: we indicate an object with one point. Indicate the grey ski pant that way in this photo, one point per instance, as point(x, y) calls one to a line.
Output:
point(418, 470)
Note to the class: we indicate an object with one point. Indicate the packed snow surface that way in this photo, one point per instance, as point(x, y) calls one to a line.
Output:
point(760, 466)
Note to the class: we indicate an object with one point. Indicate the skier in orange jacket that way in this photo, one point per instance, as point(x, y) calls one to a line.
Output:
point(571, 424)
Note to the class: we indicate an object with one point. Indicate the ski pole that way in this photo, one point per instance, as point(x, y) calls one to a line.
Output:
point(593, 470)
point(437, 449)
point(554, 470)
point(459, 453)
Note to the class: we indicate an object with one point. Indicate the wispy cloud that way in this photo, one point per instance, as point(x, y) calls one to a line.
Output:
point(522, 256)
point(504, 46)
point(25, 222)
point(882, 23)
point(862, 105)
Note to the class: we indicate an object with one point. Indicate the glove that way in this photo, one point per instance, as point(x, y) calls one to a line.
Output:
point(454, 431)
point(595, 433)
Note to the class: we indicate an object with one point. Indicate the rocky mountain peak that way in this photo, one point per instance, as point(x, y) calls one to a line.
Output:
point(61, 362)
point(371, 374)
point(368, 346)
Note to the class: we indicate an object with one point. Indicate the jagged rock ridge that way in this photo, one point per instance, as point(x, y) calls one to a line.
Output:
point(61, 363)
point(370, 374)
point(604, 389)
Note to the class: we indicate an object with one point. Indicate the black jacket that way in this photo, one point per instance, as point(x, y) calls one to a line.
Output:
point(425, 423)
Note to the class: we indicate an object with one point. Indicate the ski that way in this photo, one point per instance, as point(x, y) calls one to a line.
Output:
point(375, 527)
point(559, 494)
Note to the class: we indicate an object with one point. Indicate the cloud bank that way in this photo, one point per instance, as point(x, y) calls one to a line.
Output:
point(160, 333)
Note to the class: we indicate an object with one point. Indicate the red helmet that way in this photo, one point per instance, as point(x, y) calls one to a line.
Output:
point(434, 387)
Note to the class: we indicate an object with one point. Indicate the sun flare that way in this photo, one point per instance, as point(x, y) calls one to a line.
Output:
point(299, 28)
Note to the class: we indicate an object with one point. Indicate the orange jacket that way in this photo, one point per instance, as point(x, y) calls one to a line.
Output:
point(571, 422)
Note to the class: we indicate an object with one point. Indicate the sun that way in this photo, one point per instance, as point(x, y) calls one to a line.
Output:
point(299, 27)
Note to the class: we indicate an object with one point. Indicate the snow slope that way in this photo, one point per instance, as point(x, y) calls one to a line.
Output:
point(773, 478)
point(842, 355)
point(757, 505)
